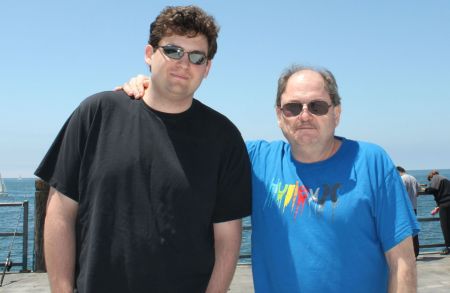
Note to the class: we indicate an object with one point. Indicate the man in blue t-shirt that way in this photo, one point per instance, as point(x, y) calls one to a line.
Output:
point(329, 214)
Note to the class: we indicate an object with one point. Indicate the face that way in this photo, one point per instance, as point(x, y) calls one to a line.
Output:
point(307, 129)
point(177, 79)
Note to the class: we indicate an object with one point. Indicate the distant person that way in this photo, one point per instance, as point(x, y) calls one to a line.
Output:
point(329, 214)
point(440, 188)
point(148, 196)
point(412, 188)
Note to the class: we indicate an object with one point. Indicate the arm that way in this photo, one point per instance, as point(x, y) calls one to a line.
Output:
point(135, 87)
point(434, 211)
point(402, 267)
point(59, 241)
point(430, 190)
point(433, 191)
point(227, 242)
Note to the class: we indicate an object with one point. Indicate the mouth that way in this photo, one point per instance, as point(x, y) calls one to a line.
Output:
point(179, 76)
point(305, 127)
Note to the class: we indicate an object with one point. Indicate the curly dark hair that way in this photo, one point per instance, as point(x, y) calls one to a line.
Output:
point(187, 21)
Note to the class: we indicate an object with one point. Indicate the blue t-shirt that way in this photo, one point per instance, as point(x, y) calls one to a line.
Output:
point(325, 226)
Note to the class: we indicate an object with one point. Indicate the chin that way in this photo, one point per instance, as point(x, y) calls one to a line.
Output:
point(305, 139)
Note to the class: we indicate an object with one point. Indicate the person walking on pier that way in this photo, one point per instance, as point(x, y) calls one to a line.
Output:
point(440, 188)
point(329, 214)
point(148, 196)
point(412, 188)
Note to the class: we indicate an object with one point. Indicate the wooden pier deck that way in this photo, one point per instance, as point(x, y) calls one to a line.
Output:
point(433, 272)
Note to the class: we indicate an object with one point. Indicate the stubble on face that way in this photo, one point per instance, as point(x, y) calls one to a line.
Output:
point(307, 130)
point(174, 82)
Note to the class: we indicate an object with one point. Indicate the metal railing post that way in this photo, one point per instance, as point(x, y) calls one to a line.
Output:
point(40, 207)
point(25, 237)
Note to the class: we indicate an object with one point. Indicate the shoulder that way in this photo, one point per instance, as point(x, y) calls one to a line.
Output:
point(262, 148)
point(374, 159)
point(369, 147)
point(371, 151)
point(102, 105)
point(437, 179)
point(213, 120)
point(410, 177)
point(361, 150)
point(105, 99)
point(263, 145)
point(210, 113)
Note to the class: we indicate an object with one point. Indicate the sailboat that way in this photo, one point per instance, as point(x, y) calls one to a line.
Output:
point(3, 191)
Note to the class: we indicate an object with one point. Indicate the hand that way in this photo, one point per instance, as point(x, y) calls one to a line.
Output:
point(434, 211)
point(135, 87)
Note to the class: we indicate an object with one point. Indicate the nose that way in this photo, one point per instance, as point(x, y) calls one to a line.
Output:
point(184, 61)
point(304, 114)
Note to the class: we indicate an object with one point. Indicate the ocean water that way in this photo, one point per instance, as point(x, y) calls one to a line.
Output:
point(20, 190)
point(11, 219)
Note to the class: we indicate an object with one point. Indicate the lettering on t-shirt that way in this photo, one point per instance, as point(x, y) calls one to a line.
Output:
point(293, 197)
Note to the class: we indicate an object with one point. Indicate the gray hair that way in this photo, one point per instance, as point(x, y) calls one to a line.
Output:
point(330, 82)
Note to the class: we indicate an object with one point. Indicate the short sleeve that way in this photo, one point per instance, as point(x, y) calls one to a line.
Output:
point(395, 218)
point(252, 147)
point(234, 196)
point(60, 167)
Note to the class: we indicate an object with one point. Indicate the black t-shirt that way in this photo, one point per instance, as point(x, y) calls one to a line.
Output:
point(440, 189)
point(149, 187)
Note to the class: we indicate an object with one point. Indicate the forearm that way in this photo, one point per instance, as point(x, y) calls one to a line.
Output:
point(226, 254)
point(403, 280)
point(430, 190)
point(60, 257)
point(402, 270)
point(59, 246)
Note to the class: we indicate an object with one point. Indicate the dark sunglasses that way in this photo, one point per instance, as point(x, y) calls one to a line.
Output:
point(175, 52)
point(317, 108)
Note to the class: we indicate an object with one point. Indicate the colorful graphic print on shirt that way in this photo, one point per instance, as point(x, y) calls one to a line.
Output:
point(292, 198)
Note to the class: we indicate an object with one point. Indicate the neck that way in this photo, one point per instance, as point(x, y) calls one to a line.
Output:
point(167, 104)
point(313, 153)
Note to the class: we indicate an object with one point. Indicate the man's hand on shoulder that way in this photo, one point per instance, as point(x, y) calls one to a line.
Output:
point(136, 86)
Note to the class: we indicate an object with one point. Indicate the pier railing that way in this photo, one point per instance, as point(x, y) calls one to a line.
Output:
point(422, 219)
point(6, 264)
point(40, 210)
point(428, 219)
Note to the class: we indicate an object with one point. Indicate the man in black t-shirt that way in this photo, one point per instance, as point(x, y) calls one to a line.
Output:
point(148, 195)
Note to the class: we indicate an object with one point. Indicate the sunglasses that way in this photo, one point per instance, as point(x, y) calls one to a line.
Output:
point(176, 53)
point(317, 108)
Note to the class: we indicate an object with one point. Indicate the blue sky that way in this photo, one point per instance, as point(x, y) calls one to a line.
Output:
point(391, 60)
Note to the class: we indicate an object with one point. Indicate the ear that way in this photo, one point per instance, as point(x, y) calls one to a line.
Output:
point(279, 115)
point(148, 54)
point(208, 67)
point(337, 114)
